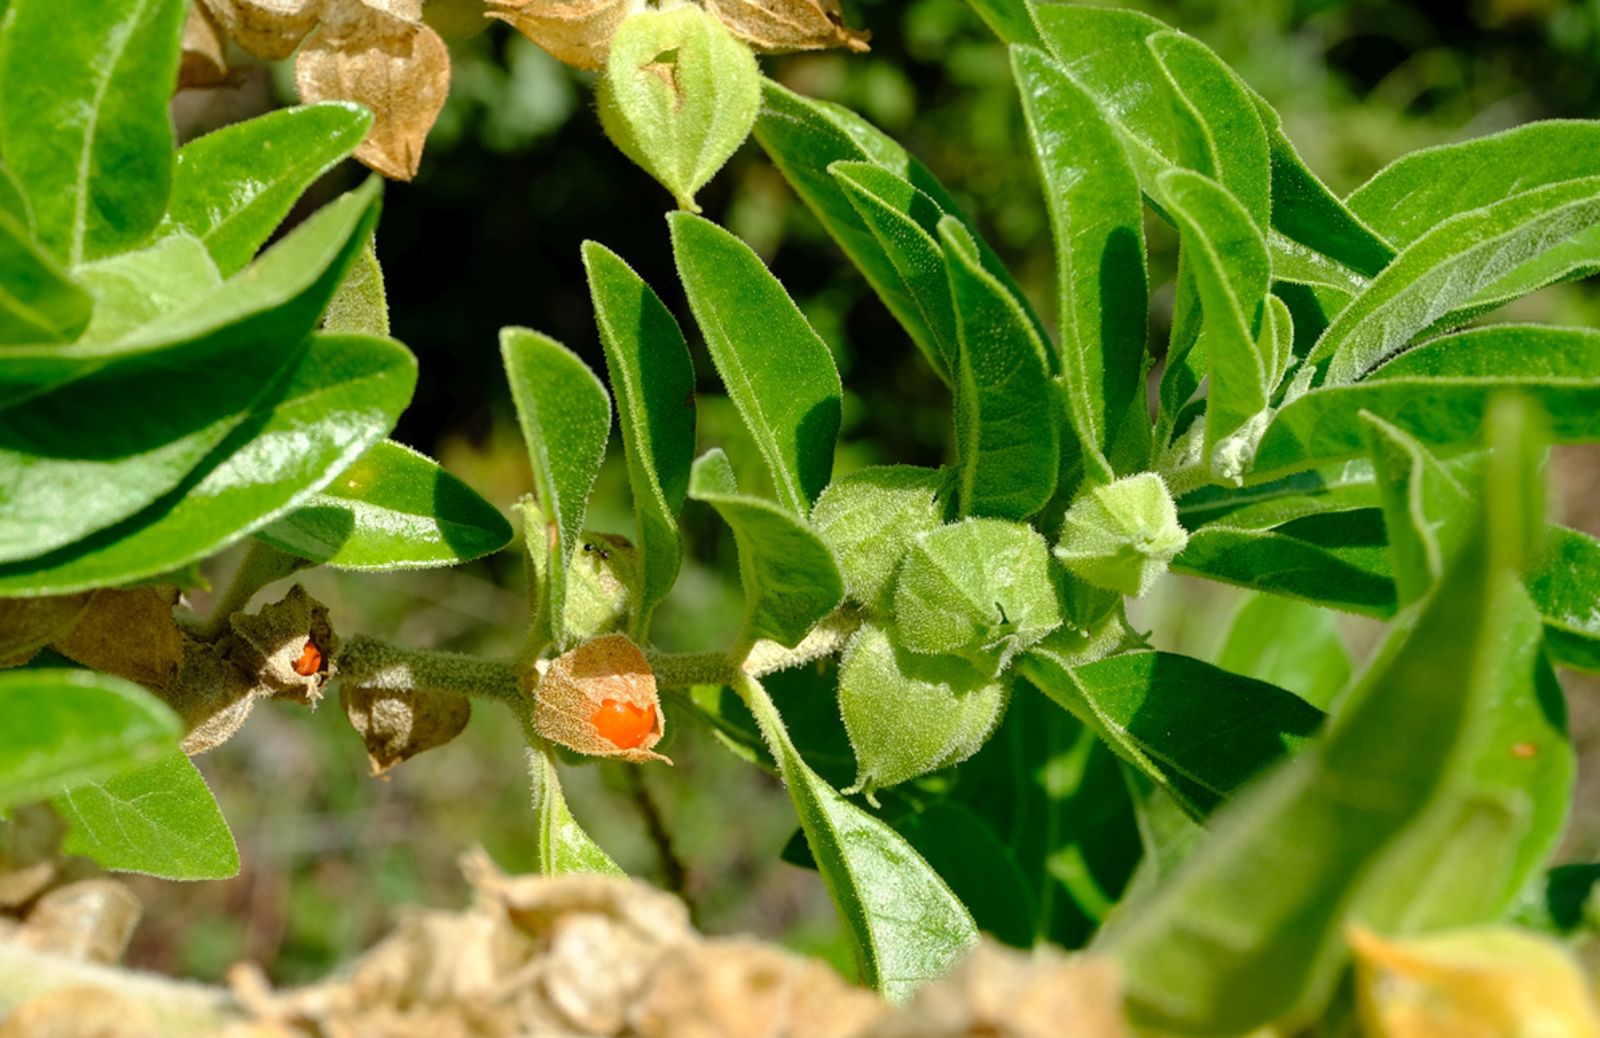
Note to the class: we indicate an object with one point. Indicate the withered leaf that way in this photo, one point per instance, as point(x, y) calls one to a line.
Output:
point(401, 74)
point(205, 61)
point(601, 699)
point(29, 624)
point(130, 633)
point(269, 29)
point(396, 725)
point(777, 26)
point(577, 32)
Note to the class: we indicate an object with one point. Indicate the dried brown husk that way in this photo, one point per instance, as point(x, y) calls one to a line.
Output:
point(80, 1011)
point(576, 683)
point(398, 69)
point(91, 920)
point(269, 643)
point(398, 724)
point(29, 624)
point(213, 696)
point(205, 53)
point(269, 29)
point(129, 633)
point(577, 32)
point(30, 848)
point(779, 26)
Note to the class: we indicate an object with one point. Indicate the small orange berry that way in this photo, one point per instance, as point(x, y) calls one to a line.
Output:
point(624, 724)
point(310, 660)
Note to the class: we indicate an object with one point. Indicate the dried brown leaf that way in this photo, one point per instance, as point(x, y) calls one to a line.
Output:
point(577, 32)
point(273, 644)
point(778, 26)
point(130, 633)
point(205, 53)
point(1003, 993)
point(80, 1011)
point(601, 699)
point(397, 724)
point(91, 920)
point(269, 29)
point(398, 70)
point(29, 624)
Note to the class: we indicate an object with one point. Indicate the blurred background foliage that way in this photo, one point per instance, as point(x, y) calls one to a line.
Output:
point(516, 175)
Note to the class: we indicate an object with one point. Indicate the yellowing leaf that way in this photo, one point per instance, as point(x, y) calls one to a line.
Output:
point(401, 73)
point(776, 26)
point(577, 32)
point(1481, 983)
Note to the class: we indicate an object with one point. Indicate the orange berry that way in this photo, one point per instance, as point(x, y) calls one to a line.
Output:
point(310, 660)
point(624, 724)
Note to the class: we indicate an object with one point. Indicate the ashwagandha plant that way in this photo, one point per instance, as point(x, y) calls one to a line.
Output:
point(1330, 428)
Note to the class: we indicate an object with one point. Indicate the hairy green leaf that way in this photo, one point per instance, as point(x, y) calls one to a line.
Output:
point(1098, 221)
point(905, 924)
point(1011, 20)
point(1564, 585)
point(393, 509)
point(562, 847)
point(1336, 560)
point(361, 305)
point(62, 728)
point(84, 128)
point(158, 818)
point(341, 397)
point(653, 378)
point(779, 373)
point(1422, 508)
point(791, 579)
point(233, 187)
point(39, 302)
point(1293, 645)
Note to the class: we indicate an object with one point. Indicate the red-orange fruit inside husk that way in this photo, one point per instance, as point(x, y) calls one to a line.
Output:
point(310, 660)
point(624, 724)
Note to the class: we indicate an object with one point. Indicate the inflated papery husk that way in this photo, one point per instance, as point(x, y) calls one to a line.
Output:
point(577, 32)
point(398, 724)
point(129, 633)
point(271, 642)
point(269, 29)
point(205, 54)
point(572, 689)
point(29, 624)
point(779, 26)
point(399, 70)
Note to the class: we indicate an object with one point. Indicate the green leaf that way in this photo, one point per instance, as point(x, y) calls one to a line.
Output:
point(1332, 488)
point(233, 187)
point(678, 96)
point(1011, 20)
point(39, 302)
point(133, 289)
point(159, 819)
point(870, 519)
point(1293, 645)
point(279, 297)
point(1198, 731)
point(1098, 221)
point(566, 420)
point(1247, 931)
point(1232, 272)
point(1445, 270)
point(85, 127)
point(1563, 585)
point(62, 728)
point(908, 714)
point(1410, 197)
point(980, 588)
point(1008, 411)
point(342, 396)
point(1224, 107)
point(791, 579)
point(1439, 393)
point(1422, 506)
point(963, 847)
point(361, 306)
point(562, 847)
point(905, 222)
point(1337, 560)
point(393, 509)
point(905, 924)
point(779, 373)
point(653, 378)
point(1559, 903)
point(805, 138)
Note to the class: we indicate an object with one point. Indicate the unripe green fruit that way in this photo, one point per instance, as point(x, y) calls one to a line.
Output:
point(679, 94)
point(1122, 536)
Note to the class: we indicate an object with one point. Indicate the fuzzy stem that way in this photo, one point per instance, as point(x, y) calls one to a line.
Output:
point(681, 670)
point(262, 564)
point(373, 663)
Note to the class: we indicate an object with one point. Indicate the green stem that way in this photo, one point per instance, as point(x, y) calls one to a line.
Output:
point(681, 670)
point(262, 564)
point(373, 663)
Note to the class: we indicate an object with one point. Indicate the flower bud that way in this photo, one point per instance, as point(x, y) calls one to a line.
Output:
point(1122, 536)
point(600, 699)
